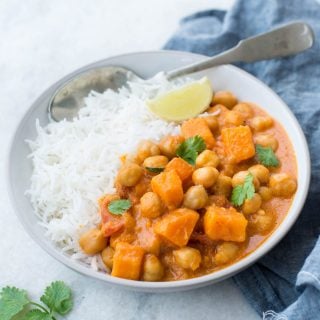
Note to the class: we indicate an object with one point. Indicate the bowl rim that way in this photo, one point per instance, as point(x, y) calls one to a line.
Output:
point(215, 276)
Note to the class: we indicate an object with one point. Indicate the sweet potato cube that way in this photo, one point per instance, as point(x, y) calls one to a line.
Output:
point(150, 243)
point(177, 226)
point(168, 186)
point(127, 261)
point(146, 237)
point(238, 143)
point(225, 224)
point(198, 127)
point(182, 168)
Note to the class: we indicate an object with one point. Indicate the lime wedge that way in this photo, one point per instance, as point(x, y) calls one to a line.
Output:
point(183, 103)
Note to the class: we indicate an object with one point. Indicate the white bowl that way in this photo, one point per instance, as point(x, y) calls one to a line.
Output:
point(146, 64)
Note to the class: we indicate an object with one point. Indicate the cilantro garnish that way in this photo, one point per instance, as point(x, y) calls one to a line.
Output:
point(243, 191)
point(266, 156)
point(154, 170)
point(190, 148)
point(57, 299)
point(119, 206)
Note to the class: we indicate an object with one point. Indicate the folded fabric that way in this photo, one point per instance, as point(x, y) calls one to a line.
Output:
point(286, 280)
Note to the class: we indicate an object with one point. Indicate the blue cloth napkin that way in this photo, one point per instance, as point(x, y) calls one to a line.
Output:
point(286, 280)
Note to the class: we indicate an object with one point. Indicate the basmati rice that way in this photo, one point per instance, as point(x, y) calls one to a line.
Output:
point(74, 163)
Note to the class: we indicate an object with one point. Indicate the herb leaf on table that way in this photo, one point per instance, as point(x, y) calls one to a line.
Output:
point(36, 314)
point(58, 297)
point(14, 302)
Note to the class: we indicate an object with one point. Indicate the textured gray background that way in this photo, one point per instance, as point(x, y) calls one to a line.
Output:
point(40, 41)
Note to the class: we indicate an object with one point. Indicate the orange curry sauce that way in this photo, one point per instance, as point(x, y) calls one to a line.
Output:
point(139, 231)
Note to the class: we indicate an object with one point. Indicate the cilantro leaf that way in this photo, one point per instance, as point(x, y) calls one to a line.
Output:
point(12, 301)
point(36, 314)
point(238, 196)
point(266, 156)
point(155, 170)
point(58, 297)
point(243, 191)
point(190, 148)
point(189, 156)
point(119, 206)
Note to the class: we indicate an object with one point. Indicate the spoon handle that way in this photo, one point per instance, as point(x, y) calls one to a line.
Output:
point(286, 40)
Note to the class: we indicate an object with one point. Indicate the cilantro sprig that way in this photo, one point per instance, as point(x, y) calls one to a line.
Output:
point(57, 299)
point(12, 302)
point(243, 191)
point(190, 148)
point(119, 206)
point(266, 156)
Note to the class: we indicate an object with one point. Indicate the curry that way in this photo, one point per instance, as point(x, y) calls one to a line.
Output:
point(197, 202)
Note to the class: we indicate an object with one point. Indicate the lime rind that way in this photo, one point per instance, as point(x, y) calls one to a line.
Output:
point(183, 103)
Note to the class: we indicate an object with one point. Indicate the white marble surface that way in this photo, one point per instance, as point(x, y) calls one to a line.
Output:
point(42, 40)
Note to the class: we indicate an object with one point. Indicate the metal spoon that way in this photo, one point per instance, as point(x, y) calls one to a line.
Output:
point(284, 41)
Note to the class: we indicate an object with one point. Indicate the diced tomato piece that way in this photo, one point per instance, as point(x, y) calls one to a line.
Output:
point(110, 222)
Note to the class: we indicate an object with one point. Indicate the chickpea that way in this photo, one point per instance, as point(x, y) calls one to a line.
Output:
point(206, 176)
point(130, 174)
point(260, 172)
point(261, 123)
point(282, 185)
point(239, 178)
point(152, 243)
point(223, 186)
point(187, 258)
point(152, 268)
point(155, 162)
point(129, 221)
point(234, 118)
point(228, 170)
point(131, 158)
point(252, 205)
point(261, 222)
point(217, 109)
point(226, 252)
point(225, 98)
point(147, 149)
point(107, 256)
point(267, 140)
point(212, 122)
point(169, 145)
point(231, 159)
point(150, 205)
point(218, 200)
point(140, 188)
point(195, 198)
point(207, 158)
point(265, 193)
point(92, 241)
point(244, 109)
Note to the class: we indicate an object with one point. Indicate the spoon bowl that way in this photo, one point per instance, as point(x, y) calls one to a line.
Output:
point(68, 98)
point(286, 40)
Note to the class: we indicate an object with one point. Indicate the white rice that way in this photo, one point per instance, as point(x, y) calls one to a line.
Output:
point(74, 163)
